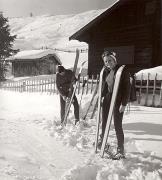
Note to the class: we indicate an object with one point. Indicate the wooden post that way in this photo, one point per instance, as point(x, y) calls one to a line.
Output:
point(140, 90)
point(30, 86)
point(33, 84)
point(51, 85)
point(39, 85)
point(24, 86)
point(45, 88)
point(97, 80)
point(48, 85)
point(160, 99)
point(92, 83)
point(42, 85)
point(36, 84)
point(54, 85)
point(154, 91)
point(147, 90)
point(87, 84)
point(16, 86)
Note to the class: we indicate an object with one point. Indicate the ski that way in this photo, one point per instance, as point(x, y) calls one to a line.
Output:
point(72, 96)
point(92, 99)
point(76, 61)
point(74, 72)
point(94, 109)
point(111, 110)
point(99, 106)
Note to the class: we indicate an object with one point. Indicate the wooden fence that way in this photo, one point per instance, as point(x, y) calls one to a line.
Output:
point(47, 85)
point(149, 92)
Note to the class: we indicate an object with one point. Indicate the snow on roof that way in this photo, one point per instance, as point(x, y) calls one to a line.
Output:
point(34, 54)
point(65, 58)
point(152, 73)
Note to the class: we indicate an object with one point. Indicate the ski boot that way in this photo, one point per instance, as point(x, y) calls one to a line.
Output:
point(119, 154)
point(99, 144)
point(76, 121)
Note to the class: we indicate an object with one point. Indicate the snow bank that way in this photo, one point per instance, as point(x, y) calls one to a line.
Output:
point(152, 73)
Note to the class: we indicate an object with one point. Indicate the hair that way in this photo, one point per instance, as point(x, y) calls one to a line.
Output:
point(109, 53)
point(60, 68)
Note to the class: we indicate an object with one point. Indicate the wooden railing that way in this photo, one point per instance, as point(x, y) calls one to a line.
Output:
point(47, 84)
point(149, 92)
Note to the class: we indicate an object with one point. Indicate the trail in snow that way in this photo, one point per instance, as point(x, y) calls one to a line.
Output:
point(33, 148)
point(27, 151)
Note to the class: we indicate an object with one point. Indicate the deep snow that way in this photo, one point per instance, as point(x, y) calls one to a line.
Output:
point(34, 148)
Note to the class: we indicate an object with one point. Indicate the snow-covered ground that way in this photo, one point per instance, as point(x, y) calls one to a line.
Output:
point(33, 147)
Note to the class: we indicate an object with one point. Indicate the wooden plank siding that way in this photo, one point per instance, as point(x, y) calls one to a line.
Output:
point(27, 67)
point(133, 28)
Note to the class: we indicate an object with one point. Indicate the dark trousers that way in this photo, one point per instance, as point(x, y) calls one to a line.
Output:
point(118, 117)
point(76, 108)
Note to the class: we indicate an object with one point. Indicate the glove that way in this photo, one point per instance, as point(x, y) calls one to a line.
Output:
point(64, 98)
point(67, 100)
point(122, 108)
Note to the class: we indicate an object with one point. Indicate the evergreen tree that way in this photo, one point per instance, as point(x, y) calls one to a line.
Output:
point(6, 43)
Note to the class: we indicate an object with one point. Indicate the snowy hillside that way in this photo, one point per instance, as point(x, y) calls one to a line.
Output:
point(49, 31)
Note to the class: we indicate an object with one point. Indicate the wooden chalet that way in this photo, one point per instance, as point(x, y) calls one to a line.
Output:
point(131, 28)
point(34, 62)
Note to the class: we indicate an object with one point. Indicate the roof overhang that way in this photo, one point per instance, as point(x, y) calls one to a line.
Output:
point(33, 55)
point(84, 30)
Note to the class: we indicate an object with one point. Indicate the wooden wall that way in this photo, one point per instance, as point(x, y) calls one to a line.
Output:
point(134, 24)
point(34, 67)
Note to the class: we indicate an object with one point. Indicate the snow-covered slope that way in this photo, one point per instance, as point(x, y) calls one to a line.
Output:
point(49, 31)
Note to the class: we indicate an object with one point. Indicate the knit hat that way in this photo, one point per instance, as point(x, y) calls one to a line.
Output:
point(109, 53)
point(60, 68)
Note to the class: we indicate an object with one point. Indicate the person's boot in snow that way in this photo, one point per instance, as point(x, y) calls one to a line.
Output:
point(76, 121)
point(99, 144)
point(120, 154)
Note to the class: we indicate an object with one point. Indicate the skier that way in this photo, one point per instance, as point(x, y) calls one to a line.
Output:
point(65, 79)
point(122, 98)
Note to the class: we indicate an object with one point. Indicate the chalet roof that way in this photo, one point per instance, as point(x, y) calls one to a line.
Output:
point(34, 55)
point(107, 12)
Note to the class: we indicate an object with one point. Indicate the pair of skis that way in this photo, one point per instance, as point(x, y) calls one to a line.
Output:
point(68, 104)
point(91, 102)
point(111, 109)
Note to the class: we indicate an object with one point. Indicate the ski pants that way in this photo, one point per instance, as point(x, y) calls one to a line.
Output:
point(118, 117)
point(76, 108)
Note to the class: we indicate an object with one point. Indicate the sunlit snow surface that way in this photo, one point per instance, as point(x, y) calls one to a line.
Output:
point(33, 146)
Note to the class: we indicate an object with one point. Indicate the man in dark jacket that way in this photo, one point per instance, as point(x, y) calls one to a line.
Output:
point(64, 81)
point(110, 62)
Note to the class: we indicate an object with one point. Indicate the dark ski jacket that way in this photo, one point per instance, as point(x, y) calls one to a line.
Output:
point(64, 82)
point(124, 86)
